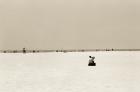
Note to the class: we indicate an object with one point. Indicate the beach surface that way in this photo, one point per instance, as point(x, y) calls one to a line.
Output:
point(115, 71)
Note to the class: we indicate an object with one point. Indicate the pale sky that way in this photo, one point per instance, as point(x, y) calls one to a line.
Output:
point(69, 24)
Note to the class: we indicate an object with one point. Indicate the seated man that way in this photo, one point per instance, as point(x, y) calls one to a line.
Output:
point(91, 61)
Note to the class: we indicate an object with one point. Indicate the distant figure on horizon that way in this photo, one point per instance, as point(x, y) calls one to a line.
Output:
point(91, 61)
point(24, 51)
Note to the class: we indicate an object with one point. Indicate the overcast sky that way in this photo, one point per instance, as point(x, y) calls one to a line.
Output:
point(69, 24)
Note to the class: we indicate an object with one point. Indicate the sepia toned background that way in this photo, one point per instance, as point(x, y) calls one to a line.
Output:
point(69, 24)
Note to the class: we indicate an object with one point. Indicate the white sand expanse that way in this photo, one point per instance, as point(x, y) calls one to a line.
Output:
point(69, 72)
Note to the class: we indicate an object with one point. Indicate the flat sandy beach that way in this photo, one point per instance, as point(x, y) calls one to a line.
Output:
point(69, 72)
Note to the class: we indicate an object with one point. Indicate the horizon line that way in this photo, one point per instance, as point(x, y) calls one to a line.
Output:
point(64, 50)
